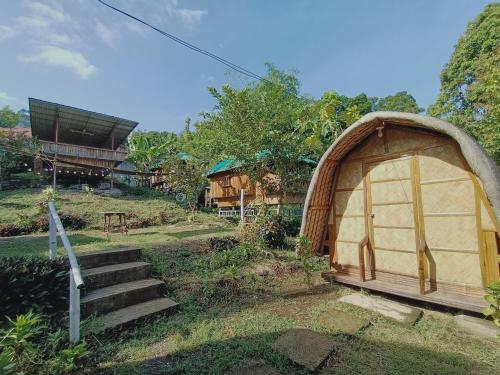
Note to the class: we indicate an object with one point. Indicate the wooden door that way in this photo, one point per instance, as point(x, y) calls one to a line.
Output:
point(390, 215)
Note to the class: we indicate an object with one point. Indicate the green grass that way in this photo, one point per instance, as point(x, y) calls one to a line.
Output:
point(225, 320)
point(16, 203)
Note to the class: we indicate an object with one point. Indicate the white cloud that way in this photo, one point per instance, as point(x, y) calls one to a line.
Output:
point(6, 32)
point(105, 33)
point(188, 16)
point(4, 97)
point(32, 22)
point(46, 11)
point(75, 61)
point(137, 28)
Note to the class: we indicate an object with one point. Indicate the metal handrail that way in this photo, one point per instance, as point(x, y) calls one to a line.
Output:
point(75, 277)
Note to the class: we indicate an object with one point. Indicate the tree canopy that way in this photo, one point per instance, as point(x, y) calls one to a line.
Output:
point(399, 102)
point(470, 96)
point(8, 118)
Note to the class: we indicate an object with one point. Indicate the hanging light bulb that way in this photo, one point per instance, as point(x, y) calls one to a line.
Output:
point(74, 172)
point(45, 169)
point(25, 164)
point(29, 169)
point(59, 171)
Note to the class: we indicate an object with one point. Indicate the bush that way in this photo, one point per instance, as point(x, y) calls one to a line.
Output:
point(237, 257)
point(292, 226)
point(10, 230)
point(27, 225)
point(273, 232)
point(33, 283)
point(249, 232)
point(143, 223)
point(222, 243)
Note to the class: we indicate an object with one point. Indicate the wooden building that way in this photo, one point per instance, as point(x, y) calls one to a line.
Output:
point(226, 182)
point(80, 141)
point(409, 205)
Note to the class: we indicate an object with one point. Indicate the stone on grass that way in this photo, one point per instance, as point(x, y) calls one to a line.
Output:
point(304, 347)
point(399, 312)
point(341, 321)
point(252, 367)
point(477, 327)
point(262, 271)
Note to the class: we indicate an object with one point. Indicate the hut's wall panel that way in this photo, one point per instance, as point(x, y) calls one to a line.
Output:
point(404, 140)
point(438, 163)
point(393, 192)
point(399, 215)
point(404, 263)
point(349, 212)
point(449, 210)
point(394, 238)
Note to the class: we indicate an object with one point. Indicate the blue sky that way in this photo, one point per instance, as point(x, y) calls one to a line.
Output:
point(79, 53)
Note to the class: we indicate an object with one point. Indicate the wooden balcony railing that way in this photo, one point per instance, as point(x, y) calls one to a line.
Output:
point(86, 152)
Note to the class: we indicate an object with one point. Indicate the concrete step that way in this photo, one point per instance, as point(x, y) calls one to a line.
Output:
point(100, 277)
point(130, 314)
point(107, 257)
point(118, 296)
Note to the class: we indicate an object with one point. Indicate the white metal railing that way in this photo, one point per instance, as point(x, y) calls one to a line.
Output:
point(75, 277)
point(251, 212)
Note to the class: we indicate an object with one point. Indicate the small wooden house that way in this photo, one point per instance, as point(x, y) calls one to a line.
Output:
point(226, 182)
point(408, 205)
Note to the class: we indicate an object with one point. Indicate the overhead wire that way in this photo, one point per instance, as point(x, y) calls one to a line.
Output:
point(176, 39)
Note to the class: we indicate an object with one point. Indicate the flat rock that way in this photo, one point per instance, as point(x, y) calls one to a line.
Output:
point(304, 347)
point(477, 327)
point(341, 321)
point(252, 367)
point(399, 312)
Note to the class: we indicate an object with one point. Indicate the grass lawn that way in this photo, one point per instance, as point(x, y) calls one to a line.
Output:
point(19, 204)
point(229, 316)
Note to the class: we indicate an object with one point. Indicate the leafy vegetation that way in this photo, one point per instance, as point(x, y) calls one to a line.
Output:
point(29, 345)
point(33, 283)
point(493, 298)
point(469, 96)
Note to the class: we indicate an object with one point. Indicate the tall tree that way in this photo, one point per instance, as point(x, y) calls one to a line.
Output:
point(147, 150)
point(399, 102)
point(8, 118)
point(322, 121)
point(256, 125)
point(470, 82)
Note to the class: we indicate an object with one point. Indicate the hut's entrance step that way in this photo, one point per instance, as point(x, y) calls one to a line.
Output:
point(460, 301)
point(119, 289)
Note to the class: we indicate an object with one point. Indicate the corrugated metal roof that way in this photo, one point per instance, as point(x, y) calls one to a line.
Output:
point(77, 126)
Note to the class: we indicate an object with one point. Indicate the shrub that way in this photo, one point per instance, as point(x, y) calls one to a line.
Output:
point(143, 223)
point(222, 243)
point(292, 226)
point(237, 257)
point(27, 225)
point(26, 346)
point(493, 298)
point(249, 232)
point(33, 283)
point(305, 255)
point(9, 230)
point(273, 232)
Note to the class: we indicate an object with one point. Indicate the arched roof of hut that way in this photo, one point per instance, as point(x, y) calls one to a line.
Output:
point(320, 189)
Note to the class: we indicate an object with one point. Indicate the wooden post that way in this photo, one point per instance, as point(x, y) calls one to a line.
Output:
point(74, 310)
point(54, 176)
point(242, 205)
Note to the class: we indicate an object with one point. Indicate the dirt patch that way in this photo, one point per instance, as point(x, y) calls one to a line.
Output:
point(252, 367)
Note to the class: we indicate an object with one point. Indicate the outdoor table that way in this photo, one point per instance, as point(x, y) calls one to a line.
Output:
point(108, 218)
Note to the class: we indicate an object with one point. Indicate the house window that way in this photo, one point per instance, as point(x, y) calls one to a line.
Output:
point(227, 181)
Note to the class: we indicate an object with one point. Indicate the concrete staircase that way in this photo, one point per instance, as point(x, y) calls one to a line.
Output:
point(119, 289)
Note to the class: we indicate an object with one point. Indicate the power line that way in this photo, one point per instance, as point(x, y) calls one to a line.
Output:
point(228, 63)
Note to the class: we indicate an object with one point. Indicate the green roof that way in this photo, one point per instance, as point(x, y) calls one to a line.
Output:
point(229, 164)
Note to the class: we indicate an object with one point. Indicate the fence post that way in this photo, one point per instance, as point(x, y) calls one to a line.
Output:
point(242, 205)
point(74, 310)
point(52, 238)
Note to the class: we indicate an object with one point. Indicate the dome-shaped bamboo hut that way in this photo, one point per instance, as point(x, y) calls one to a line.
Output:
point(408, 205)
